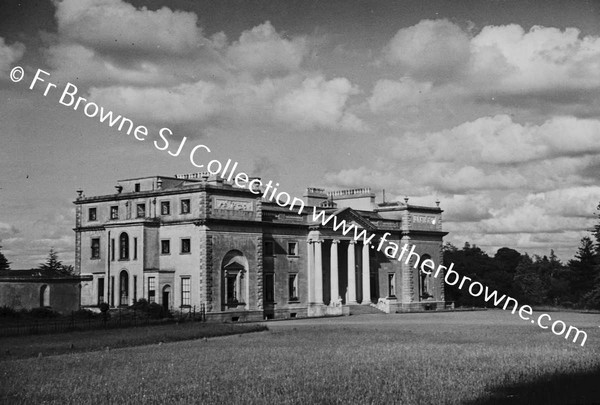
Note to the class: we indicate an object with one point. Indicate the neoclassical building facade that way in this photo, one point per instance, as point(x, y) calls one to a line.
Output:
point(192, 242)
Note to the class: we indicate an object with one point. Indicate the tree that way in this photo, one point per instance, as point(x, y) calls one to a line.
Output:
point(596, 231)
point(53, 264)
point(582, 270)
point(4, 264)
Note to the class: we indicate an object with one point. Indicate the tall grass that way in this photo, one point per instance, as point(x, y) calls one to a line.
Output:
point(408, 359)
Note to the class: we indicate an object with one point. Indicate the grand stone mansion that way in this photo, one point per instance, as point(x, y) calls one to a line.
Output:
point(194, 241)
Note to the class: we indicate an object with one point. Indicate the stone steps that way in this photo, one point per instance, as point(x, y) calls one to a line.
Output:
point(364, 309)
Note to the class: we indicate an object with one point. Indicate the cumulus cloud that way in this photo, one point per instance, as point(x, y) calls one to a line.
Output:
point(9, 54)
point(117, 25)
point(303, 104)
point(390, 94)
point(319, 103)
point(182, 103)
point(499, 140)
point(77, 63)
point(432, 49)
point(173, 74)
point(544, 59)
point(544, 68)
point(264, 51)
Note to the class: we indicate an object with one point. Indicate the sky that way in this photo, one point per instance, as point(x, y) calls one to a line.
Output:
point(490, 107)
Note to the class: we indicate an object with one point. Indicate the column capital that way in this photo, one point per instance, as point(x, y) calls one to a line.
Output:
point(335, 241)
point(352, 242)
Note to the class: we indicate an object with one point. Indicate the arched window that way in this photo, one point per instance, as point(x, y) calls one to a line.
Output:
point(45, 296)
point(124, 246)
point(124, 288)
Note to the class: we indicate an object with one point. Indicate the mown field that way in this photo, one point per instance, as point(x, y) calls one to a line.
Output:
point(466, 357)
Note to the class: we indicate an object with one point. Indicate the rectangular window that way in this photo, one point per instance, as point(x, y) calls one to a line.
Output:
point(185, 206)
point(269, 248)
point(92, 214)
point(134, 248)
point(141, 210)
point(114, 212)
point(269, 287)
point(292, 248)
point(95, 248)
point(112, 250)
point(100, 291)
point(165, 208)
point(137, 187)
point(134, 288)
point(186, 245)
point(293, 287)
point(185, 292)
point(112, 291)
point(151, 289)
point(165, 247)
point(392, 285)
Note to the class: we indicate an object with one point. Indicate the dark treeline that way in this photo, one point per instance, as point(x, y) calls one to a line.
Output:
point(531, 280)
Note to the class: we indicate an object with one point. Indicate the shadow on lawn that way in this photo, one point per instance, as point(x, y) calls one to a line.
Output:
point(578, 388)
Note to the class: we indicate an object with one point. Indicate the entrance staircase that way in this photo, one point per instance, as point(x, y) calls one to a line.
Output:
point(364, 309)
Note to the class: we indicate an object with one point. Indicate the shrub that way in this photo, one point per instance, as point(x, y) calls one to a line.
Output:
point(43, 313)
point(8, 312)
point(84, 314)
point(152, 310)
point(140, 305)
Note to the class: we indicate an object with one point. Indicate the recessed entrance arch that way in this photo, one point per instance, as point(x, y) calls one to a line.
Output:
point(166, 296)
point(234, 269)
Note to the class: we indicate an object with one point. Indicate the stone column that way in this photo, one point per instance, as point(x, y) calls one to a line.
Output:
point(351, 274)
point(335, 292)
point(366, 276)
point(310, 271)
point(318, 272)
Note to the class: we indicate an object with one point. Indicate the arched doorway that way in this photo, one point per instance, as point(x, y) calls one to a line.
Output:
point(425, 286)
point(45, 296)
point(166, 296)
point(124, 288)
point(234, 269)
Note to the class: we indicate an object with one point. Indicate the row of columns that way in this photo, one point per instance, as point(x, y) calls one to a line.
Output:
point(315, 272)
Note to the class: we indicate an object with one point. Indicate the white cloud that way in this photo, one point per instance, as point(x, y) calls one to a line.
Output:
point(77, 63)
point(543, 69)
point(263, 51)
point(508, 59)
point(293, 101)
point(499, 140)
point(319, 103)
point(436, 50)
point(117, 25)
point(182, 103)
point(397, 94)
point(9, 54)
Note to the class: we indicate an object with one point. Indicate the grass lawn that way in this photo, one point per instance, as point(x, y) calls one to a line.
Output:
point(435, 358)
point(94, 340)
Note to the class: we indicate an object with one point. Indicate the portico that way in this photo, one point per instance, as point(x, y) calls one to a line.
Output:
point(339, 272)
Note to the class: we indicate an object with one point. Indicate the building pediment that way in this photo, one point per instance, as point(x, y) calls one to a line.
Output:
point(352, 217)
